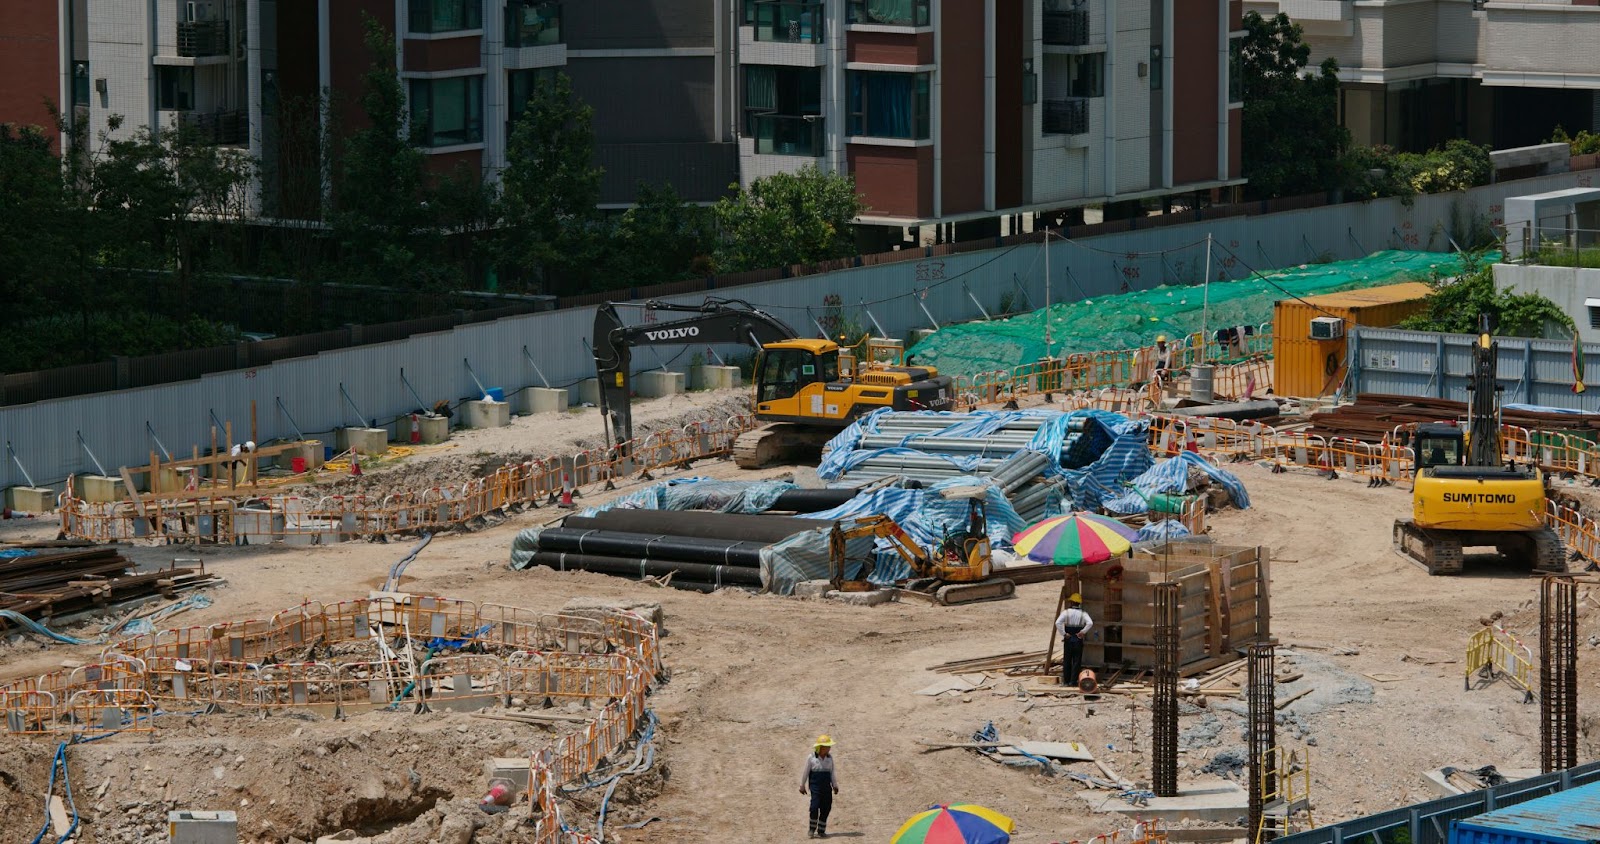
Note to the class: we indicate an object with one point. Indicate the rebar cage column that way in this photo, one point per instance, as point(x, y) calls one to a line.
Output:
point(1263, 737)
point(1164, 729)
point(1558, 674)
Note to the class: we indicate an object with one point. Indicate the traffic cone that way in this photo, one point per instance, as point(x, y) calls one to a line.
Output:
point(566, 492)
point(355, 465)
point(416, 430)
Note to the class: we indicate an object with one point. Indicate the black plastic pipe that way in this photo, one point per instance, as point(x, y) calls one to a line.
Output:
point(638, 568)
point(696, 524)
point(812, 500)
point(605, 543)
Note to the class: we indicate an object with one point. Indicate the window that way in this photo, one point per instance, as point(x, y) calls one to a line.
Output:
point(784, 372)
point(1086, 75)
point(891, 12)
point(889, 105)
point(1156, 80)
point(795, 23)
point(533, 23)
point(80, 83)
point(524, 85)
point(445, 15)
point(448, 111)
point(1235, 76)
point(174, 88)
point(783, 109)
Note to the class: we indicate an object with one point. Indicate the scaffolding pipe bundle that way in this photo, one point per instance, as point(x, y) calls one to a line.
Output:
point(726, 552)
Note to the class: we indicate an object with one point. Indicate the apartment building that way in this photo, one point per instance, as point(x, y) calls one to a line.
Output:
point(1417, 73)
point(953, 110)
point(943, 110)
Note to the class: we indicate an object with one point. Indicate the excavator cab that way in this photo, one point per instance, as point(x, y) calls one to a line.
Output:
point(786, 368)
point(1439, 445)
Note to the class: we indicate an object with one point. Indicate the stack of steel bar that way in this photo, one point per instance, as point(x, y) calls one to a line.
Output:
point(702, 551)
point(1002, 456)
point(51, 583)
point(1375, 415)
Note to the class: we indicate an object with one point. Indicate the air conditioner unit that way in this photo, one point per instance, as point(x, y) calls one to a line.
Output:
point(1327, 328)
point(198, 11)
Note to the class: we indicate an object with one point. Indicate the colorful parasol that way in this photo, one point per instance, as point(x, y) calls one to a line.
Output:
point(1077, 539)
point(956, 823)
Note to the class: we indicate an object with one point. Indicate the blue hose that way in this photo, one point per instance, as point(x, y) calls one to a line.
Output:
point(645, 739)
point(59, 763)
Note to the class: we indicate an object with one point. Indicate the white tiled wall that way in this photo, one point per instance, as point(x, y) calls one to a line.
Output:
point(1408, 34)
point(1563, 40)
point(118, 53)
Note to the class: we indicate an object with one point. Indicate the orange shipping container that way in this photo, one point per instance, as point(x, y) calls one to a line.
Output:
point(1304, 365)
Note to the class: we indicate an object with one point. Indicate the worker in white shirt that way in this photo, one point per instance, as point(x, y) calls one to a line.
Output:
point(820, 778)
point(1073, 624)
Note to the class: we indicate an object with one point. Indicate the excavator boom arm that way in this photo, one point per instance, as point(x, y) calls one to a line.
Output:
point(715, 322)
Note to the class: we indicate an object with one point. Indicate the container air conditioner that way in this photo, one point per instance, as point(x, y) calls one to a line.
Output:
point(1327, 328)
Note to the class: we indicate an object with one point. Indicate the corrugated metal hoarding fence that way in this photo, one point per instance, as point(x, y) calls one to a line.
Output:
point(1424, 363)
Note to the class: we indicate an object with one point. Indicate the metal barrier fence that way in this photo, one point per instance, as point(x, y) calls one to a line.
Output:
point(1493, 652)
point(1429, 823)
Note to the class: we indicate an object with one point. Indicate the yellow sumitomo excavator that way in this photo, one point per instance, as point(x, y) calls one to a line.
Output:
point(801, 391)
point(959, 571)
point(1465, 495)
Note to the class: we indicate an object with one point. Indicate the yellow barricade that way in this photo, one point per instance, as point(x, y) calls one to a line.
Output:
point(1495, 654)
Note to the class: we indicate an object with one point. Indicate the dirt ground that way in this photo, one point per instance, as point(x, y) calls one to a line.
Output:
point(754, 678)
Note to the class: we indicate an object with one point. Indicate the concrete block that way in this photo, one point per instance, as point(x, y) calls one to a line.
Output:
point(656, 383)
point(311, 450)
point(595, 608)
point(362, 440)
point(197, 827)
point(433, 429)
point(29, 499)
point(1213, 802)
point(541, 400)
point(812, 589)
point(486, 414)
point(99, 489)
point(513, 768)
point(589, 392)
point(920, 334)
point(863, 599)
point(717, 377)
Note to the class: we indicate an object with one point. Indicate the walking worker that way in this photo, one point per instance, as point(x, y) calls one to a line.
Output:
point(823, 781)
point(1072, 624)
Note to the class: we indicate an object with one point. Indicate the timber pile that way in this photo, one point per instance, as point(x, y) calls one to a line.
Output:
point(60, 582)
point(1375, 415)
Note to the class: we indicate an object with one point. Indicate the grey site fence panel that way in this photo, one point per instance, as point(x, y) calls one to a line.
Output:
point(1429, 823)
point(1422, 363)
point(898, 295)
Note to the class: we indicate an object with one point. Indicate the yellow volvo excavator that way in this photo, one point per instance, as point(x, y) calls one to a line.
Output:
point(802, 392)
point(1464, 494)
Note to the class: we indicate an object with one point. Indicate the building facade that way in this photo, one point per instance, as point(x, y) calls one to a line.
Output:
point(1417, 73)
point(942, 110)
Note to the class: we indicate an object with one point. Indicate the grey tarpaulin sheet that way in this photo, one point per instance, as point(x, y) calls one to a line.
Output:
point(701, 494)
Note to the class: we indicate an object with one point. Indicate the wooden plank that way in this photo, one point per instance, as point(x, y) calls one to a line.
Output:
point(1294, 697)
point(1214, 620)
point(132, 492)
point(1070, 751)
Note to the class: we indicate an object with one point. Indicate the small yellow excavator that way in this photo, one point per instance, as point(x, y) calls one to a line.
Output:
point(959, 571)
point(802, 392)
point(1464, 495)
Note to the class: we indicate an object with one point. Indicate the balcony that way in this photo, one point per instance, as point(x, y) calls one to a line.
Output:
point(789, 134)
point(533, 24)
point(1067, 29)
point(217, 128)
point(1066, 116)
point(890, 12)
point(197, 39)
point(789, 23)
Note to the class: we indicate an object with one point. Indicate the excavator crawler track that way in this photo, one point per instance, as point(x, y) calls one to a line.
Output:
point(1437, 552)
point(1440, 551)
point(997, 589)
point(1550, 554)
point(778, 443)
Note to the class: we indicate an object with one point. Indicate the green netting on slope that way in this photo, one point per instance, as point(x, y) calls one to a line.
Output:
point(1130, 320)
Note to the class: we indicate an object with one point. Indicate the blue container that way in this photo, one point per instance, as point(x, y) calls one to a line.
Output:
point(327, 453)
point(1566, 817)
point(496, 393)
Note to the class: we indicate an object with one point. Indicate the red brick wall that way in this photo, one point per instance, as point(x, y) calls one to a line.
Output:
point(30, 62)
point(1194, 94)
point(895, 181)
point(444, 164)
point(443, 53)
point(961, 101)
point(890, 47)
point(349, 60)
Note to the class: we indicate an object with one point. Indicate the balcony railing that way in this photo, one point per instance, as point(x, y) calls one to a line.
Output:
point(218, 128)
point(794, 23)
point(789, 134)
point(1066, 116)
point(890, 12)
point(202, 38)
point(533, 24)
point(1552, 244)
point(1069, 28)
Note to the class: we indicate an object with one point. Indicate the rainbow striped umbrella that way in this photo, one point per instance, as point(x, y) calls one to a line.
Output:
point(956, 823)
point(1077, 539)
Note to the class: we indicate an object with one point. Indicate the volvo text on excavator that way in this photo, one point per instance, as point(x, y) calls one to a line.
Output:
point(802, 393)
point(1464, 494)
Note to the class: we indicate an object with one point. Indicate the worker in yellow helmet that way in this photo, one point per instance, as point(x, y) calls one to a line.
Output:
point(1073, 624)
point(1163, 355)
point(822, 780)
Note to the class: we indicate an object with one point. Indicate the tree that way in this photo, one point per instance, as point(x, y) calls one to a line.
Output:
point(787, 218)
point(34, 239)
point(1455, 303)
point(550, 227)
point(661, 238)
point(381, 219)
point(1293, 143)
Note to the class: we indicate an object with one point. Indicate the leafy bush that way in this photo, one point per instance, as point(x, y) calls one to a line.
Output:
point(67, 339)
point(1586, 143)
point(1456, 302)
point(1380, 171)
